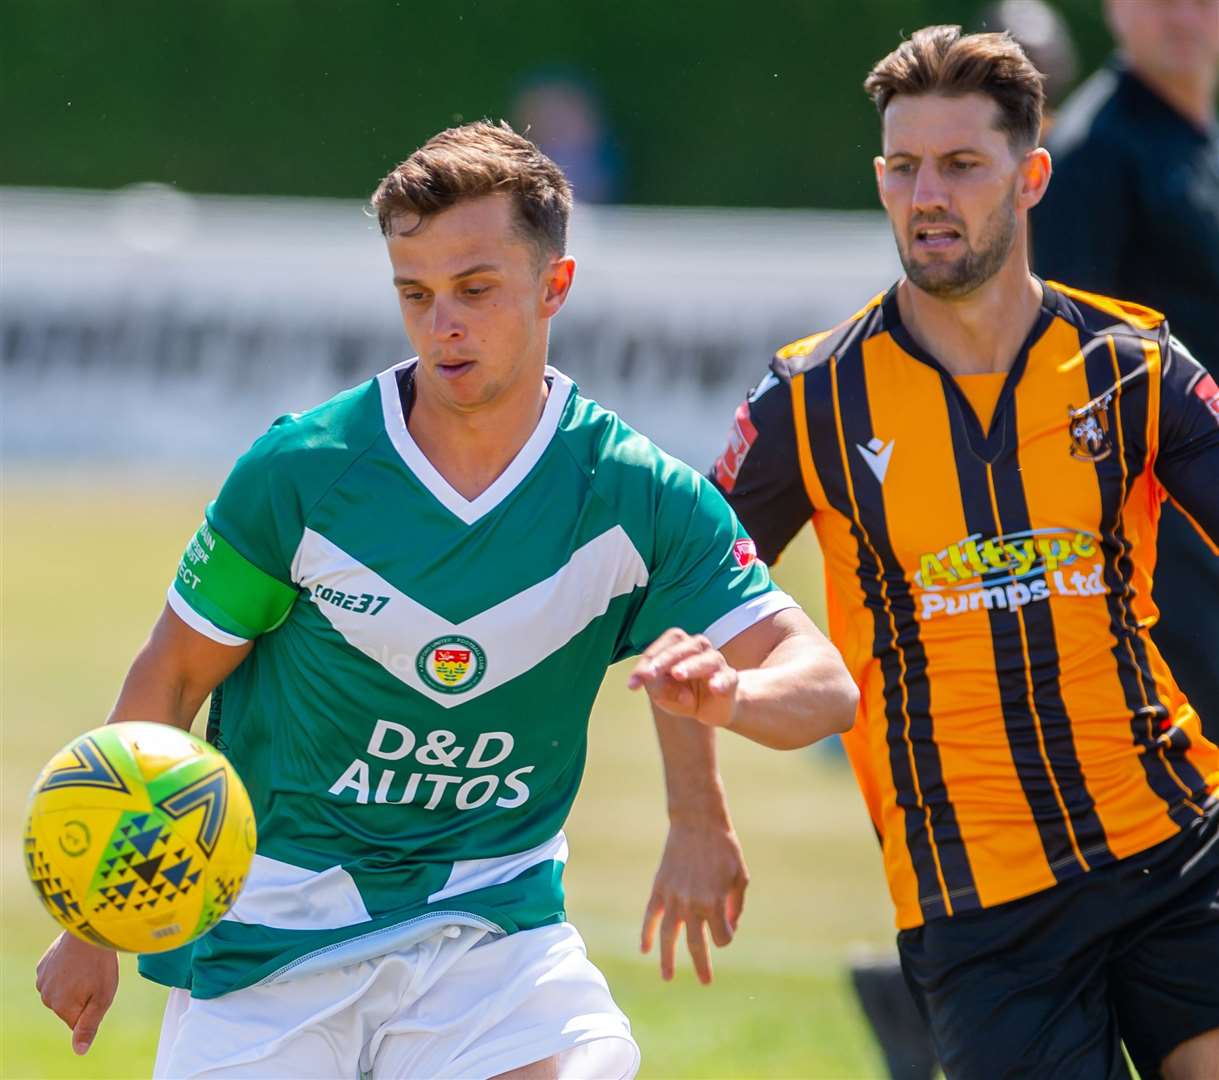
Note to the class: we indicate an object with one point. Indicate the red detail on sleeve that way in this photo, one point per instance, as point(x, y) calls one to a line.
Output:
point(744, 551)
point(740, 439)
point(1208, 393)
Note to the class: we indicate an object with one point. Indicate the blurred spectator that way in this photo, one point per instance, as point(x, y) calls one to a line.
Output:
point(1133, 212)
point(565, 118)
point(1044, 36)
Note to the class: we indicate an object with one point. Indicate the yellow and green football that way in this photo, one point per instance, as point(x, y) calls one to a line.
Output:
point(138, 837)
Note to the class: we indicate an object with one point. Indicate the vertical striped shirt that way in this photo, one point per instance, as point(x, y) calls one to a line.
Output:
point(989, 585)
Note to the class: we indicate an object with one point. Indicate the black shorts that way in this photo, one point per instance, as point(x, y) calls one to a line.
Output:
point(1050, 985)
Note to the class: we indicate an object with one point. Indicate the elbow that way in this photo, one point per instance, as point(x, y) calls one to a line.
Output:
point(836, 712)
point(848, 704)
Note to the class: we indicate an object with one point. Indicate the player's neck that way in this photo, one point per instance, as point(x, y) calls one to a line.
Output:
point(1192, 94)
point(980, 333)
point(470, 448)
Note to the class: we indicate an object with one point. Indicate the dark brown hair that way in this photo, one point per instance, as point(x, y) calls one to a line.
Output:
point(941, 60)
point(474, 160)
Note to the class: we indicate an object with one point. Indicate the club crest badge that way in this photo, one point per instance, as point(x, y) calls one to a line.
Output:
point(1089, 429)
point(451, 664)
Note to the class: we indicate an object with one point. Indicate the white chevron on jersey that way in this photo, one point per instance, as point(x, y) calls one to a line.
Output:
point(517, 634)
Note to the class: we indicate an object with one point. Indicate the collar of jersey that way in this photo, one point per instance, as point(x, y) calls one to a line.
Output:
point(470, 510)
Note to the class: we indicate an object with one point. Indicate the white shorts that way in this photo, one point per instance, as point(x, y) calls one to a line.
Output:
point(460, 1003)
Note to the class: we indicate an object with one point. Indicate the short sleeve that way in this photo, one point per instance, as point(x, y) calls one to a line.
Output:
point(234, 581)
point(705, 577)
point(1187, 458)
point(759, 470)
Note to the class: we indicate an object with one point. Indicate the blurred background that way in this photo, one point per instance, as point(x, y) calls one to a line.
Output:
point(185, 254)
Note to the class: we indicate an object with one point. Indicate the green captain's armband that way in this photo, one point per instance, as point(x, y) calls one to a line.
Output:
point(225, 589)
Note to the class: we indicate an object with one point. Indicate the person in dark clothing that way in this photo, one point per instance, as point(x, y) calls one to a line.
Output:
point(1134, 212)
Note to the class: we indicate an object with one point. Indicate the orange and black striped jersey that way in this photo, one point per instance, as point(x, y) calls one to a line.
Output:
point(989, 585)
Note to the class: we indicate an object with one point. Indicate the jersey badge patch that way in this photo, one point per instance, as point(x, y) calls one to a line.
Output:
point(744, 551)
point(1208, 393)
point(451, 664)
point(1089, 428)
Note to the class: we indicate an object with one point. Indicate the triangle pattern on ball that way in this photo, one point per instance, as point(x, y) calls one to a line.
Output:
point(176, 873)
point(148, 870)
point(143, 841)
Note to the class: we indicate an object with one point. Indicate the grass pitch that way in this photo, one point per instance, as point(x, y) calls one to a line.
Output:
point(86, 560)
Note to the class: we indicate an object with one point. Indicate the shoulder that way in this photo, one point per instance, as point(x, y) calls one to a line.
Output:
point(613, 454)
point(655, 497)
point(307, 451)
point(1103, 322)
point(807, 354)
point(1095, 315)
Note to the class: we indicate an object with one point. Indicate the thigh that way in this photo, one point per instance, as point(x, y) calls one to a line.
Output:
point(507, 1003)
point(1016, 993)
point(300, 1028)
point(1164, 972)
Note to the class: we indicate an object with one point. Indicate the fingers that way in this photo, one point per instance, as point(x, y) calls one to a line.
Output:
point(85, 1028)
point(736, 903)
point(668, 650)
point(651, 919)
point(696, 942)
point(720, 925)
point(670, 925)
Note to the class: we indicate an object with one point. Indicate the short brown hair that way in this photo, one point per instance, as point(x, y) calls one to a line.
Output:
point(480, 159)
point(941, 60)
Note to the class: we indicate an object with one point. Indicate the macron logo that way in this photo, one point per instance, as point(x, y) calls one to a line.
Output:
point(877, 455)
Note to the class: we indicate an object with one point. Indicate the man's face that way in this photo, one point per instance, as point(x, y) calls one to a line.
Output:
point(1169, 39)
point(953, 189)
point(476, 298)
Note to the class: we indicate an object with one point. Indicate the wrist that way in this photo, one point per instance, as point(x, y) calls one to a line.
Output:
point(80, 946)
point(706, 810)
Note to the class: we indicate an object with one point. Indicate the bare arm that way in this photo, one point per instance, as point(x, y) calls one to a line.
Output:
point(780, 682)
point(702, 877)
point(173, 673)
point(170, 678)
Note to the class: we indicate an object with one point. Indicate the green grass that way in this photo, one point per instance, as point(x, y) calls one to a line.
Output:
point(86, 560)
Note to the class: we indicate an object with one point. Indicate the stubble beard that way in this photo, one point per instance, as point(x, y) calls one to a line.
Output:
point(951, 280)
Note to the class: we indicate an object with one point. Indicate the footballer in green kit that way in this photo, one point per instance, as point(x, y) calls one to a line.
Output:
point(405, 601)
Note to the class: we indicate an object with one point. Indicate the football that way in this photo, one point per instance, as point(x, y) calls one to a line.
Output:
point(138, 836)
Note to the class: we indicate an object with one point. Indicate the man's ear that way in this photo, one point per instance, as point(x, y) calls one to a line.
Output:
point(878, 166)
point(557, 279)
point(1035, 172)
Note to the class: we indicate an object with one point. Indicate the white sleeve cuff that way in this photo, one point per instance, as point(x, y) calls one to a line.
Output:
point(726, 627)
point(197, 622)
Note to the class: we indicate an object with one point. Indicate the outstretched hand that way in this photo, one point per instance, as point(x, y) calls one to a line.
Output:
point(685, 675)
point(700, 884)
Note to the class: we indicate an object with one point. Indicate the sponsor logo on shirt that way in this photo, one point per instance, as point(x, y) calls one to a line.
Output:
point(451, 664)
point(1008, 572)
point(432, 770)
point(360, 603)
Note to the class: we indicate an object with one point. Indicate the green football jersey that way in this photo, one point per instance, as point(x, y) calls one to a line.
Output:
point(412, 721)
